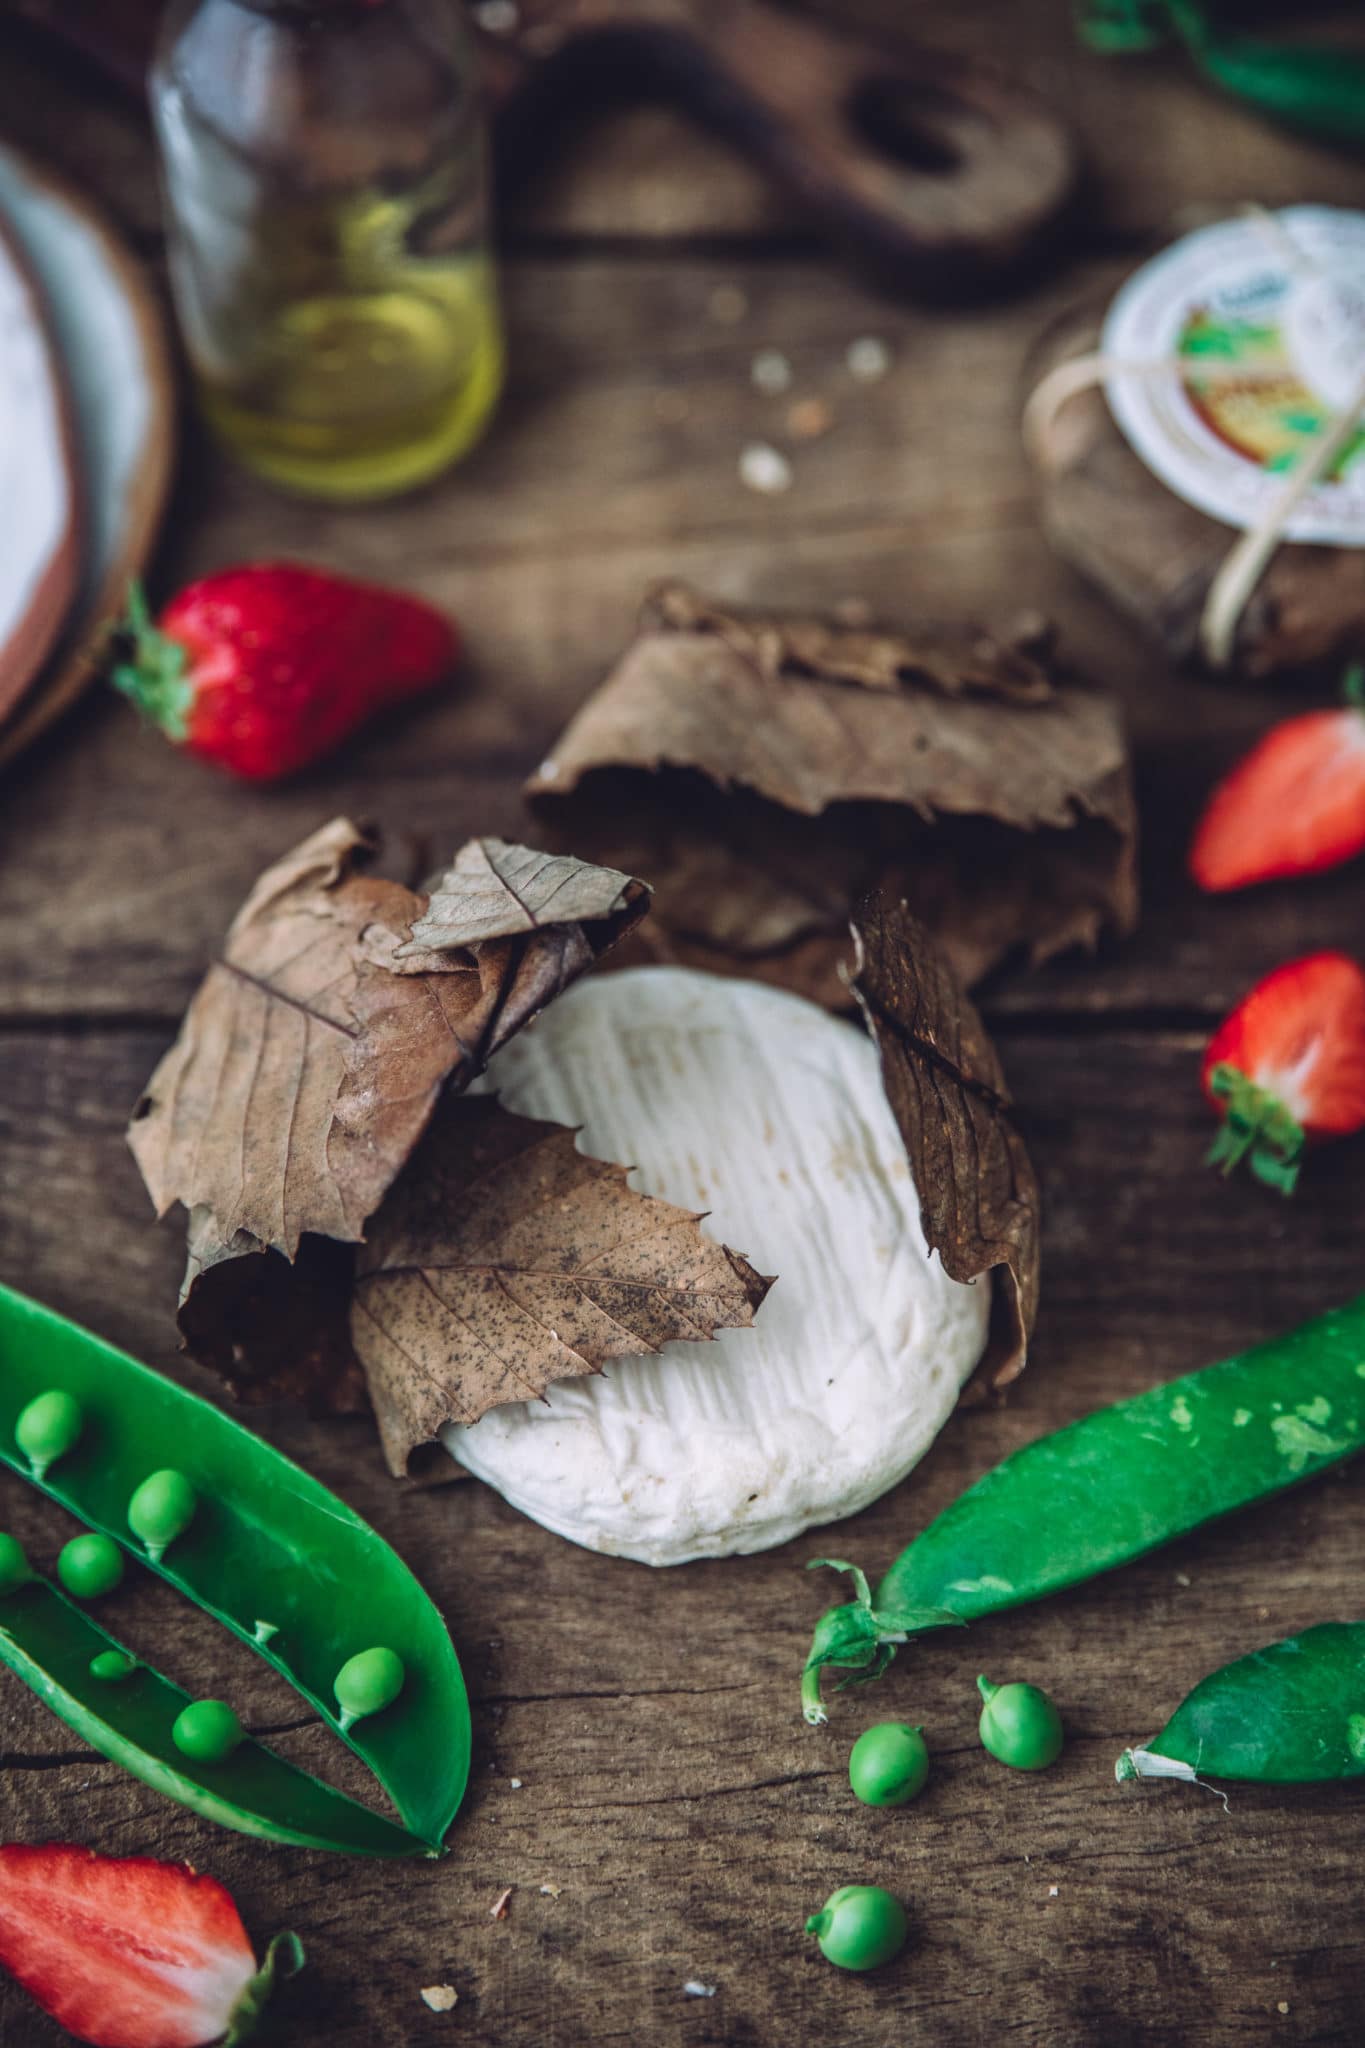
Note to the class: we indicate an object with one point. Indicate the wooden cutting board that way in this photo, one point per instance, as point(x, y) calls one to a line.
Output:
point(934, 172)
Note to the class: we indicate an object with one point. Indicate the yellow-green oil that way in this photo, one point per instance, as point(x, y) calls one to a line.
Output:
point(361, 362)
point(362, 393)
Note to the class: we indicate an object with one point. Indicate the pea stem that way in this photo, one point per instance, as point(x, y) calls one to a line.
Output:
point(819, 1923)
point(812, 1707)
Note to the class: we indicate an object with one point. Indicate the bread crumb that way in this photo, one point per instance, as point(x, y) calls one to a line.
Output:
point(551, 1891)
point(1283, 2005)
point(728, 304)
point(762, 468)
point(440, 1997)
point(770, 372)
point(694, 1988)
point(498, 1909)
point(868, 359)
point(1182, 1579)
point(1053, 1890)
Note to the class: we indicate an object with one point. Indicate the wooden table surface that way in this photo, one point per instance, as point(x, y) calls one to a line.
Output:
point(642, 1776)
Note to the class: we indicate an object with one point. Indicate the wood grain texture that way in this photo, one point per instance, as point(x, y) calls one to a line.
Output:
point(668, 1785)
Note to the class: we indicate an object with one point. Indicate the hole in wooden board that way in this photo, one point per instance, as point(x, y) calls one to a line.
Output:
point(909, 123)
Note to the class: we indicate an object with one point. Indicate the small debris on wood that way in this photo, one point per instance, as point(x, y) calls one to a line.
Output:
point(551, 1891)
point(515, 1783)
point(770, 372)
point(808, 419)
point(727, 304)
point(1283, 2005)
point(440, 1997)
point(762, 468)
point(694, 1988)
point(868, 359)
point(498, 1909)
point(1053, 1890)
point(1182, 1579)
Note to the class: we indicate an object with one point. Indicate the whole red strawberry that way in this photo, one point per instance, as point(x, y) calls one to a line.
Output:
point(1294, 804)
point(265, 667)
point(127, 1952)
point(1288, 1066)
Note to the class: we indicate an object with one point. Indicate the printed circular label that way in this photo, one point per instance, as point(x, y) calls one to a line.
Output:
point(1263, 323)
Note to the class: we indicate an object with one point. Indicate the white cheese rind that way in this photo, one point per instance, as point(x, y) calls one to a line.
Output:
point(768, 1113)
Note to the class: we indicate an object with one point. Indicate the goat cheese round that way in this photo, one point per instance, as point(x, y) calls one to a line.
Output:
point(767, 1113)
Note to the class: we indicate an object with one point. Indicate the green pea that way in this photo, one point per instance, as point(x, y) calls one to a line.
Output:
point(1020, 1725)
point(47, 1428)
point(89, 1566)
point(367, 1682)
point(14, 1568)
point(860, 1927)
point(161, 1509)
point(113, 1666)
point(888, 1764)
point(207, 1730)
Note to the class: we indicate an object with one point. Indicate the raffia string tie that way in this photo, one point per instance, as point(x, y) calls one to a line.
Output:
point(1244, 564)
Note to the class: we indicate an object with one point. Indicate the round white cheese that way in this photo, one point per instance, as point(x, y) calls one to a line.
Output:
point(766, 1112)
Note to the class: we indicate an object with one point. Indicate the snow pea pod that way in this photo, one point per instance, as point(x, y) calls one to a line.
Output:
point(1291, 1714)
point(1112, 1486)
point(272, 1554)
point(50, 1643)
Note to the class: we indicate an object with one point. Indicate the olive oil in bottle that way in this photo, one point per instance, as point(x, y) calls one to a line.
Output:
point(325, 180)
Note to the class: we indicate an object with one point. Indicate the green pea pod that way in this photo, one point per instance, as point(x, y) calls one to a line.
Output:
point(1316, 89)
point(1292, 1714)
point(1111, 1487)
point(50, 1644)
point(271, 1553)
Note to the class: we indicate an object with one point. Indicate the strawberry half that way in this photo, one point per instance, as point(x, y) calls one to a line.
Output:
point(262, 669)
point(1294, 804)
point(127, 1952)
point(1288, 1066)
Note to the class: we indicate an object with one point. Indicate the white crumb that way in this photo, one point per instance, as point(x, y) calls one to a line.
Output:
point(764, 469)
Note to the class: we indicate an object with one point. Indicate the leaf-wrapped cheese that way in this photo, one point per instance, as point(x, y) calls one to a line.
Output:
point(760, 1108)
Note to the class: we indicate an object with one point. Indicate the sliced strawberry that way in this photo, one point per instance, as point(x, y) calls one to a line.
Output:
point(1288, 1066)
point(127, 1952)
point(1294, 804)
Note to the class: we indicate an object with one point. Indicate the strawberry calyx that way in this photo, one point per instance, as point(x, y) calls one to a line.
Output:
point(154, 676)
point(284, 1958)
point(1256, 1127)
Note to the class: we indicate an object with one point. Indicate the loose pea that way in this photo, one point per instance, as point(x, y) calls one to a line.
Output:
point(888, 1764)
point(370, 1680)
point(47, 1428)
point(113, 1666)
point(161, 1509)
point(207, 1730)
point(860, 1927)
point(89, 1566)
point(1020, 1725)
point(14, 1571)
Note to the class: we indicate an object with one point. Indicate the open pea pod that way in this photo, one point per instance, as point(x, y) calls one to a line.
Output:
point(49, 1643)
point(1111, 1487)
point(271, 1553)
point(1291, 1714)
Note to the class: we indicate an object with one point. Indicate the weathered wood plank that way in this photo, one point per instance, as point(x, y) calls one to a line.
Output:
point(668, 1785)
point(917, 500)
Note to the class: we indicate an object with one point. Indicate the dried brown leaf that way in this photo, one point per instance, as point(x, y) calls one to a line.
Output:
point(978, 1193)
point(506, 1259)
point(308, 1065)
point(732, 761)
point(497, 891)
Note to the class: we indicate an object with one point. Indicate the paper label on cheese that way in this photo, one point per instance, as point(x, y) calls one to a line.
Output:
point(769, 1114)
point(1263, 322)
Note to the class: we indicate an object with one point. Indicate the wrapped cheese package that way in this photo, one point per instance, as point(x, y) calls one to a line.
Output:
point(763, 1110)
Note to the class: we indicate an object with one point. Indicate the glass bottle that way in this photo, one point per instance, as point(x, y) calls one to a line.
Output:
point(324, 171)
